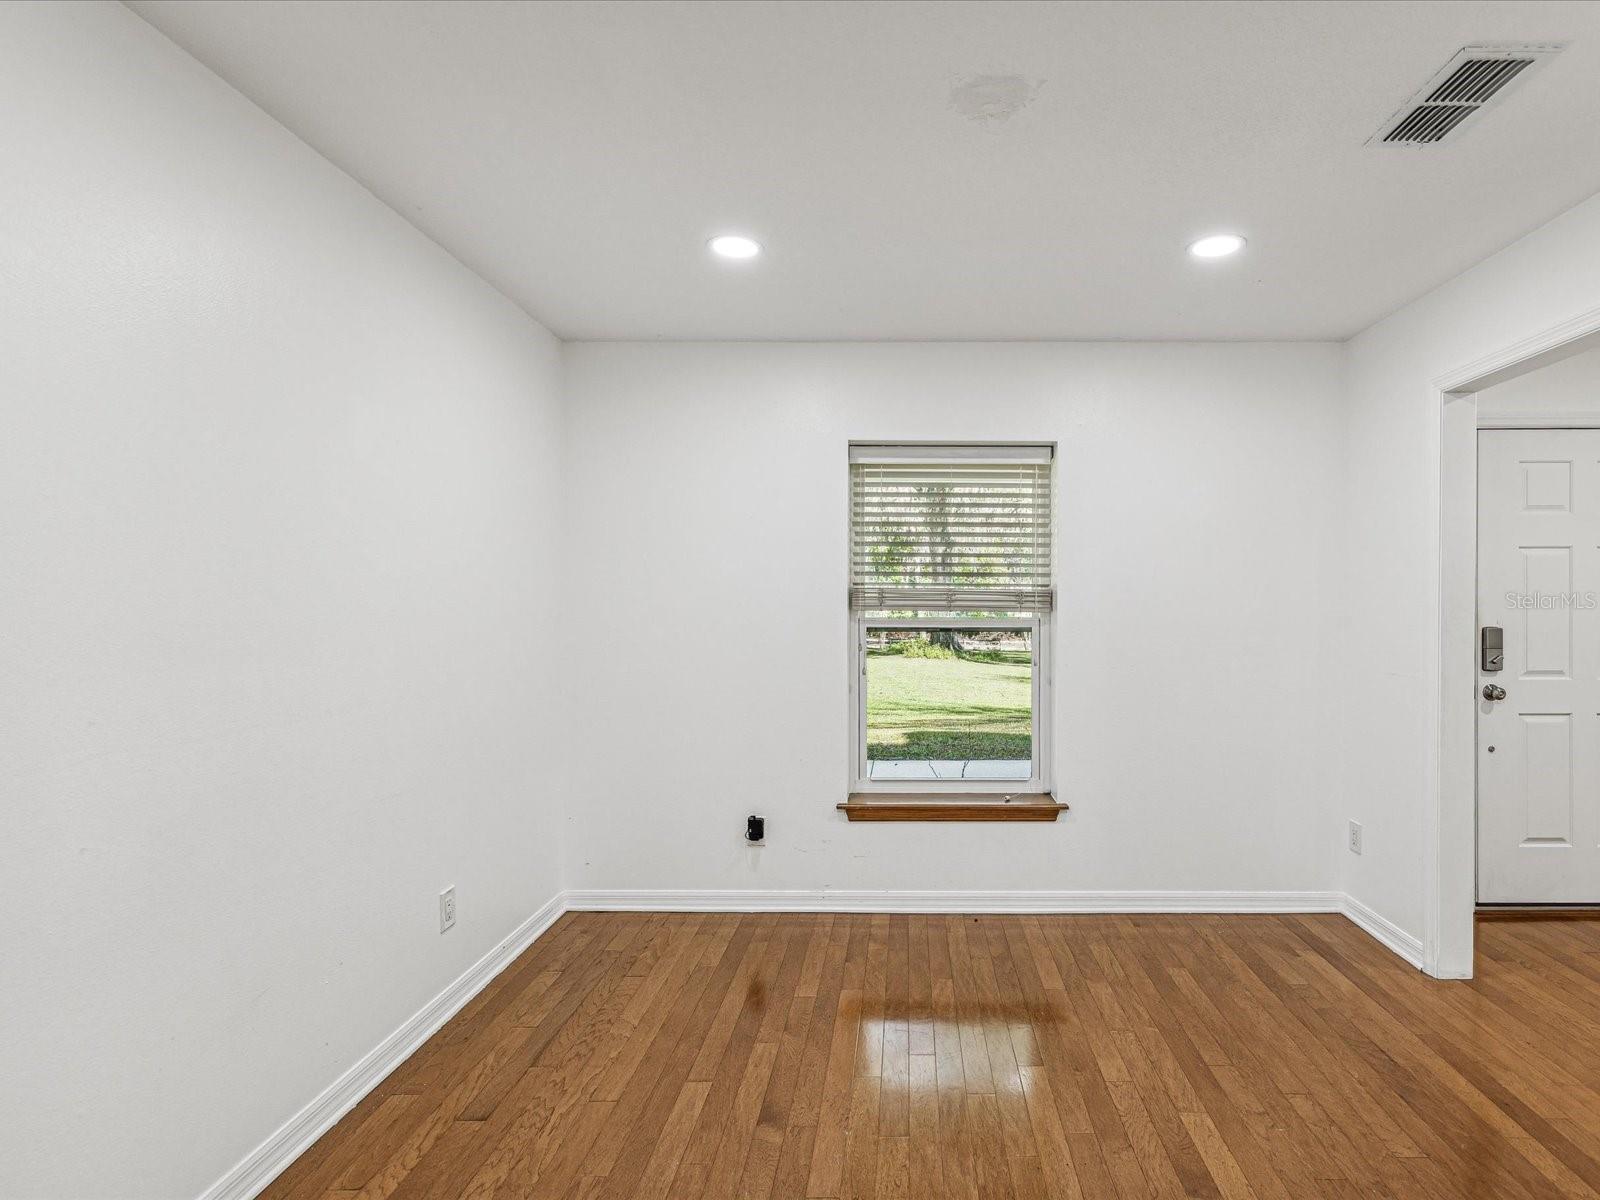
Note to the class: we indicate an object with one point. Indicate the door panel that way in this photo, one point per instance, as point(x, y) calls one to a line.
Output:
point(1547, 778)
point(1539, 747)
point(1547, 633)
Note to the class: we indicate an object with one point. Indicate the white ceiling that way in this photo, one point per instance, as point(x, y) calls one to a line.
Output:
point(577, 155)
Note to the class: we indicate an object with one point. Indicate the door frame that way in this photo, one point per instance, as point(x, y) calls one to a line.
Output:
point(1450, 867)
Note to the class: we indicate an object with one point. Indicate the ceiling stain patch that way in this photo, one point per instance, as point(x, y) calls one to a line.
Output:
point(993, 99)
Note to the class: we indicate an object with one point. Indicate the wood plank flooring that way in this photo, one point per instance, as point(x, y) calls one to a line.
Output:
point(830, 1056)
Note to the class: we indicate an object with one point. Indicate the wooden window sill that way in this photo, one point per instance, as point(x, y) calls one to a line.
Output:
point(978, 806)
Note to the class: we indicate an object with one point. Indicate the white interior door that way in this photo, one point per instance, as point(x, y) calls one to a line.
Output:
point(1539, 745)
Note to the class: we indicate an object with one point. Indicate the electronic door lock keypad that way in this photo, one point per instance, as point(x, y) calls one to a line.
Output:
point(1494, 648)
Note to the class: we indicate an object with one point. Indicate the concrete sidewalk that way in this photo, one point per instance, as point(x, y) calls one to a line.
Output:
point(938, 768)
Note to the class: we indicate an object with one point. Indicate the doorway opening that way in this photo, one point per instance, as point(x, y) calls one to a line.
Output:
point(1509, 391)
point(1538, 616)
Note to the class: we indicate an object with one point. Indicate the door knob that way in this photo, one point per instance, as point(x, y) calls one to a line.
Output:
point(1493, 691)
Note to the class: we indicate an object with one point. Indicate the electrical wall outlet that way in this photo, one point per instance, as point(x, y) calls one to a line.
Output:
point(1355, 837)
point(447, 908)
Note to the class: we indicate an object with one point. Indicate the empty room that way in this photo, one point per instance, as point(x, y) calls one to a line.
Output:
point(799, 600)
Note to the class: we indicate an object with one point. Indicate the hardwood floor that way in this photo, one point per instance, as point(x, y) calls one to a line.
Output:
point(784, 1056)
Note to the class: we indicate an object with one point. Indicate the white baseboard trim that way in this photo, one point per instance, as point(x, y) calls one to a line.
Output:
point(263, 1164)
point(833, 900)
point(1387, 932)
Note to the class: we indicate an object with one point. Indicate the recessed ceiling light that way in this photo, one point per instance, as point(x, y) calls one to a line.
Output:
point(1218, 245)
point(735, 245)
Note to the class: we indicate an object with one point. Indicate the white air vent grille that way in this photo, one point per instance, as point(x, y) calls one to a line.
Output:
point(1472, 78)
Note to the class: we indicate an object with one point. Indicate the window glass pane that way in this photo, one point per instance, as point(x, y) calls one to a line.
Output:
point(949, 704)
point(942, 614)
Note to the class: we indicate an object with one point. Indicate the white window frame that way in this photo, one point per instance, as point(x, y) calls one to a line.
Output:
point(1038, 782)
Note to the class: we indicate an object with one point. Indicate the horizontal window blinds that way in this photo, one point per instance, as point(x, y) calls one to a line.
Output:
point(950, 531)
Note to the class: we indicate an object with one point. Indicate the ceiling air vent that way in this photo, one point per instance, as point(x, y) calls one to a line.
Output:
point(1475, 76)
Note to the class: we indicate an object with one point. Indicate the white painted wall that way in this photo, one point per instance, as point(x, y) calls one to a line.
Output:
point(1198, 514)
point(1570, 387)
point(1389, 755)
point(279, 493)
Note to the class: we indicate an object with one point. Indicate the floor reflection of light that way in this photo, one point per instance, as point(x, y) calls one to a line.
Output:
point(870, 1046)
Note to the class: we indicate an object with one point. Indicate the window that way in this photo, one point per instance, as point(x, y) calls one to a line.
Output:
point(950, 601)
